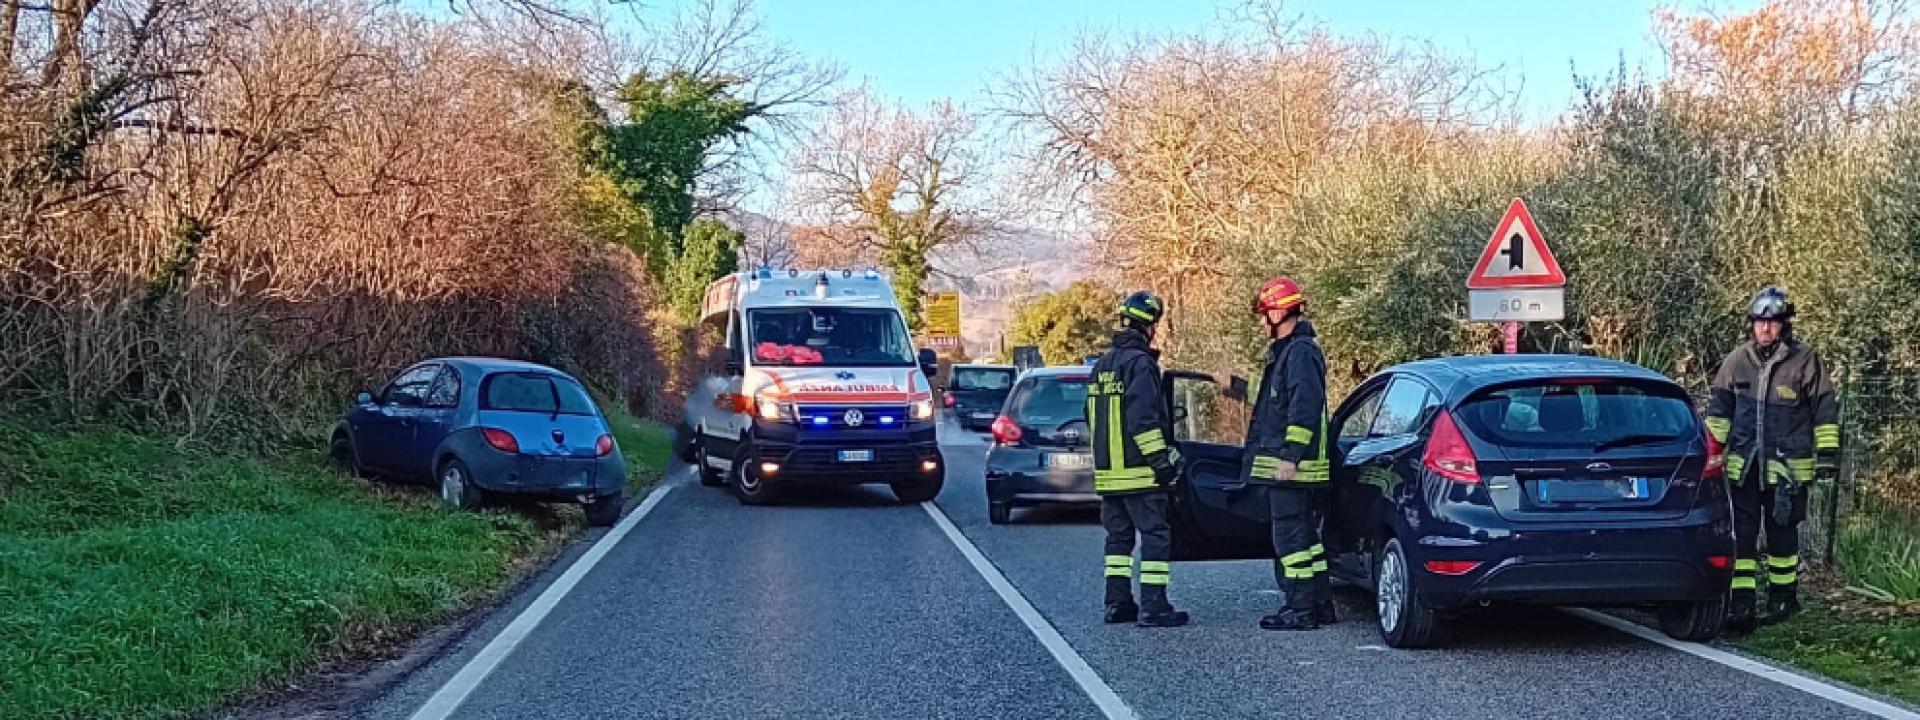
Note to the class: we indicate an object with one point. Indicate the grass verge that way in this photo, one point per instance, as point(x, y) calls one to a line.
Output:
point(141, 579)
point(1869, 645)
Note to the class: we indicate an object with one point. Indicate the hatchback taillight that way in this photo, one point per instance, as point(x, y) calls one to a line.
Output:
point(1448, 454)
point(1005, 430)
point(1716, 458)
point(603, 446)
point(501, 440)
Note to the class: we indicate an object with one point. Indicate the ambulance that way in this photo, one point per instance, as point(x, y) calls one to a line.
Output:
point(821, 385)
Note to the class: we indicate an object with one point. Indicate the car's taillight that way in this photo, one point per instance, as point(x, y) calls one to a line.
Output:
point(1716, 458)
point(501, 440)
point(1448, 454)
point(603, 446)
point(1452, 567)
point(1005, 430)
point(947, 400)
point(1720, 562)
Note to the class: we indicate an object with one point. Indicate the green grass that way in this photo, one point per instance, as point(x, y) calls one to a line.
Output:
point(647, 446)
point(1879, 552)
point(141, 579)
point(1876, 650)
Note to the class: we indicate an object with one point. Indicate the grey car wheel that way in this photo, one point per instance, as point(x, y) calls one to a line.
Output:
point(456, 486)
point(1405, 621)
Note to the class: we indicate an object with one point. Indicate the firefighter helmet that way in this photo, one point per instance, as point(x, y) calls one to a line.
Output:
point(1770, 304)
point(1142, 308)
point(1280, 293)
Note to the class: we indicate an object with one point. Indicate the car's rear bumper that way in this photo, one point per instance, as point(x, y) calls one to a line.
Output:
point(1016, 476)
point(1623, 566)
point(501, 473)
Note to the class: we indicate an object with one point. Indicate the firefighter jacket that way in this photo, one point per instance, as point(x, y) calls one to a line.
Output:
point(1290, 416)
point(1780, 405)
point(1128, 419)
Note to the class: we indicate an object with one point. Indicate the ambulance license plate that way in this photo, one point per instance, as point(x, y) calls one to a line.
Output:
point(856, 456)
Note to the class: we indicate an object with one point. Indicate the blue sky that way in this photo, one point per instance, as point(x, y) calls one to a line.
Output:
point(920, 51)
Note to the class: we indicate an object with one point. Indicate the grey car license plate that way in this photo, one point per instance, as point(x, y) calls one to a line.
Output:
point(1070, 461)
point(983, 416)
point(856, 456)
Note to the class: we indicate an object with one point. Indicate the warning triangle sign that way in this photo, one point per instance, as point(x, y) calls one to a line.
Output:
point(1516, 255)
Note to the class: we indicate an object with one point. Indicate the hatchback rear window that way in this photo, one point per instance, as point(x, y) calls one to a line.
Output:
point(1580, 413)
point(1048, 403)
point(534, 392)
point(982, 379)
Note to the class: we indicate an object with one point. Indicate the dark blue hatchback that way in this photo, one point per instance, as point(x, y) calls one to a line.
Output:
point(1461, 482)
point(484, 426)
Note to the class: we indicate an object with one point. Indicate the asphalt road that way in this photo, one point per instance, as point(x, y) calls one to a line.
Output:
point(847, 604)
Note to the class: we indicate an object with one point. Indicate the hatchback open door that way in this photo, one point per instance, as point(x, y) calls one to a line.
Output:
point(1212, 514)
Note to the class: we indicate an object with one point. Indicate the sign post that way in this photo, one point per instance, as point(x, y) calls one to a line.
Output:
point(943, 314)
point(1517, 279)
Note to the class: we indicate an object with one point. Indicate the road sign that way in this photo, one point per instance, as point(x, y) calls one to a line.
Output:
point(943, 314)
point(1517, 305)
point(1516, 255)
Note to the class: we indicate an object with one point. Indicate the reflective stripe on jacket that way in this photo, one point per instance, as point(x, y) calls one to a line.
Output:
point(1127, 417)
point(1784, 402)
point(1289, 422)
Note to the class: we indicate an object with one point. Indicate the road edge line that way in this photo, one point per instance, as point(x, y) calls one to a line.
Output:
point(449, 697)
point(1811, 686)
point(1069, 659)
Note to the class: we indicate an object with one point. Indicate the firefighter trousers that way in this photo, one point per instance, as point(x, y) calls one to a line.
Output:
point(1300, 563)
point(1754, 502)
point(1144, 513)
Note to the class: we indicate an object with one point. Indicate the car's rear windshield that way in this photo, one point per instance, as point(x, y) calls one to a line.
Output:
point(534, 392)
point(982, 378)
point(1049, 402)
point(1579, 413)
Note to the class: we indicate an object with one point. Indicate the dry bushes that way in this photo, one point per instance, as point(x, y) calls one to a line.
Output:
point(269, 203)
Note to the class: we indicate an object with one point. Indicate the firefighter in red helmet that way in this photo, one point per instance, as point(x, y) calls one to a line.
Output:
point(1287, 451)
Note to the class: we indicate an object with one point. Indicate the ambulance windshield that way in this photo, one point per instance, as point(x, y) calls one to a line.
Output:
point(829, 337)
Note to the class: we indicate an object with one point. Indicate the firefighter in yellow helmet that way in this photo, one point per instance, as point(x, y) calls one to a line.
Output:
point(1133, 461)
point(1772, 407)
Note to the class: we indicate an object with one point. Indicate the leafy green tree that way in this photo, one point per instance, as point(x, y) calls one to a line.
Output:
point(710, 250)
point(1067, 325)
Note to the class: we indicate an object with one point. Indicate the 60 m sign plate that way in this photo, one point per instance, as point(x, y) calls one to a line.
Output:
point(1517, 305)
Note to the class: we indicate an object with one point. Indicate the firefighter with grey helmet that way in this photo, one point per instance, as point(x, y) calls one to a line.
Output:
point(1772, 408)
point(1133, 462)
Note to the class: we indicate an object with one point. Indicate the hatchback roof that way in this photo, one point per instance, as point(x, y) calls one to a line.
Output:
point(493, 364)
point(1462, 375)
point(981, 366)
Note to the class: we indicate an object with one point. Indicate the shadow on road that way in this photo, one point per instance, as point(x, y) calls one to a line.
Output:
point(1057, 515)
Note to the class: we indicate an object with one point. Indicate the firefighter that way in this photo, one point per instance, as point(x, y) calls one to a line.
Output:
point(1132, 465)
point(1772, 408)
point(1286, 450)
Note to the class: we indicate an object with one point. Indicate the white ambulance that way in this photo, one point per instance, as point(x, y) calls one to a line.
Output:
point(821, 385)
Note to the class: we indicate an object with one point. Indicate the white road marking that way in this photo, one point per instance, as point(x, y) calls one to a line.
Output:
point(1752, 667)
point(1103, 695)
point(448, 699)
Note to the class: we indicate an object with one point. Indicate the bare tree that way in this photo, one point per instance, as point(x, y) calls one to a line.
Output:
point(899, 183)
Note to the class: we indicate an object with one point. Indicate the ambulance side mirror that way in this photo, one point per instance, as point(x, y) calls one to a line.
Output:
point(929, 363)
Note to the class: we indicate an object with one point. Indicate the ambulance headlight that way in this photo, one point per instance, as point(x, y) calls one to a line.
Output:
point(770, 408)
point(923, 409)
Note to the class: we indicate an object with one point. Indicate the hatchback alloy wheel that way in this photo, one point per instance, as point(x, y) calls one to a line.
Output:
point(1392, 592)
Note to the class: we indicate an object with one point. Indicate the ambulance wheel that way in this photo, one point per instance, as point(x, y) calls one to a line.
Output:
point(709, 476)
point(999, 513)
point(919, 489)
point(748, 486)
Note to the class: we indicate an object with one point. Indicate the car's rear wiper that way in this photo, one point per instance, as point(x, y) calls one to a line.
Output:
point(1626, 440)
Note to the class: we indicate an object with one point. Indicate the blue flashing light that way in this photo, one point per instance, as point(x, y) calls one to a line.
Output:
point(873, 274)
point(886, 419)
point(766, 273)
point(820, 420)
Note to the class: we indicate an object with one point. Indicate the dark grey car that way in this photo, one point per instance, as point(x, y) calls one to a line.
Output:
point(1041, 453)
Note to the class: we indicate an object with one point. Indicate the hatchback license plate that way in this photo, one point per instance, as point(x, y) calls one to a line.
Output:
point(856, 456)
point(1628, 488)
point(1070, 461)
